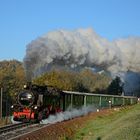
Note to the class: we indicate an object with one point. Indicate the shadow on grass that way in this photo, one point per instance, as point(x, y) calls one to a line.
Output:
point(99, 138)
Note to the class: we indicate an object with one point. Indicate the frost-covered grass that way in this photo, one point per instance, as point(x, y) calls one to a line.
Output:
point(120, 125)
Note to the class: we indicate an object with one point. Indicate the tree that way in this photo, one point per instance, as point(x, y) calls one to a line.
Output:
point(84, 81)
point(12, 78)
point(116, 86)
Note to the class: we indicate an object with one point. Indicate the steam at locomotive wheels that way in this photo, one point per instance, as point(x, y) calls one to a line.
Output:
point(35, 103)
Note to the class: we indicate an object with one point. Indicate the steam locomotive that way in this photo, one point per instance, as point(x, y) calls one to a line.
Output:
point(35, 103)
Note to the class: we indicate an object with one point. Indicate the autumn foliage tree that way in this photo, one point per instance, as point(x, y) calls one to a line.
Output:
point(12, 78)
point(84, 81)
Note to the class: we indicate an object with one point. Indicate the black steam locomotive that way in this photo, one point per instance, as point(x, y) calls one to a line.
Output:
point(35, 103)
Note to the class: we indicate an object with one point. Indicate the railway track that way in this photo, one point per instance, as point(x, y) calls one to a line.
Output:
point(13, 131)
point(12, 127)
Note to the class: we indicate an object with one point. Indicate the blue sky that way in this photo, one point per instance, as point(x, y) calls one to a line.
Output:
point(22, 21)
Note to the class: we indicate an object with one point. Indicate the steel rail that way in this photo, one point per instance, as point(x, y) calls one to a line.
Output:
point(11, 127)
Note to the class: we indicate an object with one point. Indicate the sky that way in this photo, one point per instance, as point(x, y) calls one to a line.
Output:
point(22, 21)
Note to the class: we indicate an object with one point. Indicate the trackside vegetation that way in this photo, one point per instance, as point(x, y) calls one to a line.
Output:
point(123, 124)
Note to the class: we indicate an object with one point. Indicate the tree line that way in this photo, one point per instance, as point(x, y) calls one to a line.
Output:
point(12, 79)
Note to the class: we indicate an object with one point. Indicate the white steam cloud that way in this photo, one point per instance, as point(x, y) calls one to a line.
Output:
point(69, 114)
point(81, 48)
point(12, 120)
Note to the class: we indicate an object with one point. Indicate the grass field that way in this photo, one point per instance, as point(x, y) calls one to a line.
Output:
point(123, 124)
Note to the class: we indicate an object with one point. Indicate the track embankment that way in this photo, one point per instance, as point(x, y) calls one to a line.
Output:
point(63, 130)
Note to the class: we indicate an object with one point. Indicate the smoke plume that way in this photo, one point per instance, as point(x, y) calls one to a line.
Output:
point(81, 48)
point(69, 114)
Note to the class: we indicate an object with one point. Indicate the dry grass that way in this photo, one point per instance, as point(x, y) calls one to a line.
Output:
point(121, 125)
point(5, 121)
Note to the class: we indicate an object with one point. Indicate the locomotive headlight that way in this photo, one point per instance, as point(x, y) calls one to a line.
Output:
point(12, 106)
point(35, 107)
